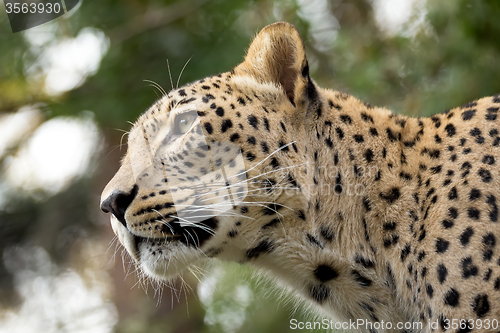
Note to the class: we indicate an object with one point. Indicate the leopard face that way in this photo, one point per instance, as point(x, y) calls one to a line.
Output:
point(363, 213)
point(207, 166)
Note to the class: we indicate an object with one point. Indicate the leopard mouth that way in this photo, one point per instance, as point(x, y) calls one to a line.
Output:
point(193, 236)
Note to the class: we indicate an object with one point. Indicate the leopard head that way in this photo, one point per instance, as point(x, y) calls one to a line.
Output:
point(212, 166)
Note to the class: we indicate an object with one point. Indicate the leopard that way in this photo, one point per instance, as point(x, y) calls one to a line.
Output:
point(363, 213)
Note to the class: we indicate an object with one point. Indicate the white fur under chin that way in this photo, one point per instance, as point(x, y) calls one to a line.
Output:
point(173, 260)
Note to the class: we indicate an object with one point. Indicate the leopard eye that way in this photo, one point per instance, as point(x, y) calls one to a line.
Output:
point(184, 121)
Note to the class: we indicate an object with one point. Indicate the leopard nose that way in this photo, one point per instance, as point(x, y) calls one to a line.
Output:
point(117, 203)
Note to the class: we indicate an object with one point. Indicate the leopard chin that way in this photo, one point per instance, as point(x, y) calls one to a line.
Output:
point(159, 258)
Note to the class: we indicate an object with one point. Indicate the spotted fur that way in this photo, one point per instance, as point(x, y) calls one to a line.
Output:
point(364, 213)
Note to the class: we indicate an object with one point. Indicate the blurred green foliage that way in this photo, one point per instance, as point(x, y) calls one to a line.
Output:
point(447, 59)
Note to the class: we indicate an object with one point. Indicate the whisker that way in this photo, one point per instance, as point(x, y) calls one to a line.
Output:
point(170, 75)
point(182, 71)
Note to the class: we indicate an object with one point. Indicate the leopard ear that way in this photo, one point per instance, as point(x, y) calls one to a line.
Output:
point(277, 55)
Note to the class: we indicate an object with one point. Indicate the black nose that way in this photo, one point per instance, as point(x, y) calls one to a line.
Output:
point(118, 202)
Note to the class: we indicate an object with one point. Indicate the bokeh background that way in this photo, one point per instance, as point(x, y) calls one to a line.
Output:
point(69, 88)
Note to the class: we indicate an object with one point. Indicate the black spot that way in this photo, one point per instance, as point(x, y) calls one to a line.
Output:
point(251, 140)
point(405, 252)
point(234, 137)
point(452, 195)
point(253, 121)
point(338, 186)
point(390, 135)
point(266, 124)
point(320, 293)
point(271, 209)
point(250, 156)
point(367, 118)
point(314, 241)
point(391, 195)
point(340, 133)
point(219, 111)
point(366, 263)
point(467, 115)
point(481, 306)
point(283, 146)
point(468, 268)
point(423, 233)
point(301, 215)
point(264, 147)
point(497, 284)
point(329, 142)
point(466, 235)
point(442, 273)
point(421, 256)
point(489, 242)
point(388, 242)
point(226, 124)
point(488, 159)
point(232, 233)
point(362, 280)
point(274, 162)
point(493, 212)
point(436, 169)
point(487, 275)
point(358, 138)
point(405, 176)
point(433, 153)
point(373, 131)
point(389, 226)
point(442, 245)
point(475, 132)
point(327, 233)
point(241, 101)
point(452, 297)
point(325, 273)
point(450, 129)
point(318, 110)
point(345, 119)
point(264, 246)
point(271, 224)
point(447, 224)
point(208, 128)
point(491, 115)
point(485, 175)
point(473, 213)
point(429, 290)
point(474, 194)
